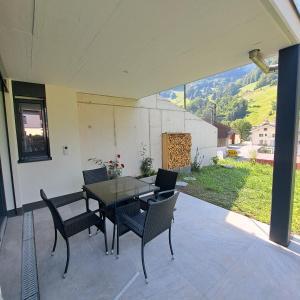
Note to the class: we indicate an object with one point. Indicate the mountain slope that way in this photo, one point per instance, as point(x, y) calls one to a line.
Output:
point(261, 103)
point(242, 93)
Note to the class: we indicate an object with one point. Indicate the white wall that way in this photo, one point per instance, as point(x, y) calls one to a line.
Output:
point(4, 155)
point(110, 126)
point(98, 126)
point(204, 136)
point(62, 174)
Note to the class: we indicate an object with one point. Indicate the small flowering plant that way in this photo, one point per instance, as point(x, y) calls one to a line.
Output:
point(114, 167)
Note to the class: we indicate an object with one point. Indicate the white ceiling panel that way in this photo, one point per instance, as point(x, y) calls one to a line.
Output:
point(17, 14)
point(135, 48)
point(62, 34)
point(17, 50)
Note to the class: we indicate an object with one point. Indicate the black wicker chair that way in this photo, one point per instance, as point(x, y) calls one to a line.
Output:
point(98, 175)
point(93, 176)
point(166, 181)
point(147, 224)
point(74, 225)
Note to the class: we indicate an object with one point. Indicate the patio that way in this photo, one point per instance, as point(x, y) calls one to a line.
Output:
point(218, 255)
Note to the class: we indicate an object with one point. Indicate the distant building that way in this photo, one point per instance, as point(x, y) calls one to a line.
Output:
point(263, 134)
point(226, 135)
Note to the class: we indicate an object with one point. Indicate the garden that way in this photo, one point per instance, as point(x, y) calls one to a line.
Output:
point(241, 186)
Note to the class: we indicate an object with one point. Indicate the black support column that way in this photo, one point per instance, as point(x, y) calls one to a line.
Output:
point(287, 120)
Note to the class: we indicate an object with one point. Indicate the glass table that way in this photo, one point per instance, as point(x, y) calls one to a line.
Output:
point(112, 195)
point(115, 191)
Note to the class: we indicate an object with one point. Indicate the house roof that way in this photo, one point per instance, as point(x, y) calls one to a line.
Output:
point(137, 48)
point(224, 131)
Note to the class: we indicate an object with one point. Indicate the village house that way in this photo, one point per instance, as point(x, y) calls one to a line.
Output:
point(263, 134)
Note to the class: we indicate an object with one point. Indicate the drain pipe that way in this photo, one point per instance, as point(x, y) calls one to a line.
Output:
point(256, 56)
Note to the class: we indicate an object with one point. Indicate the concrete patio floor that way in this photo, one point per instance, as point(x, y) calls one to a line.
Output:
point(218, 255)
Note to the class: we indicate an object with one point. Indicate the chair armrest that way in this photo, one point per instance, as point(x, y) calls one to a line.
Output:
point(67, 199)
point(151, 200)
point(165, 192)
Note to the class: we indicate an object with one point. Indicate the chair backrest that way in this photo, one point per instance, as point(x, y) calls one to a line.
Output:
point(159, 217)
point(166, 180)
point(95, 175)
point(57, 220)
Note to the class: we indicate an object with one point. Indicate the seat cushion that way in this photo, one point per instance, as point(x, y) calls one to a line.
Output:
point(81, 222)
point(134, 223)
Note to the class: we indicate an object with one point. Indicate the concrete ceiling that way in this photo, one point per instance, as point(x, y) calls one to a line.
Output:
point(135, 48)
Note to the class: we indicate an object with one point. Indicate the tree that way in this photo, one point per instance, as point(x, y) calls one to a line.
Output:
point(237, 109)
point(242, 127)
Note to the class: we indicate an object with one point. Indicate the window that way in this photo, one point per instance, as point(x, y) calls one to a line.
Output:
point(296, 4)
point(31, 124)
point(261, 135)
point(266, 134)
point(265, 129)
point(273, 135)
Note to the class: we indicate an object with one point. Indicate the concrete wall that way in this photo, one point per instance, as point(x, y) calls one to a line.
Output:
point(110, 126)
point(98, 126)
point(62, 174)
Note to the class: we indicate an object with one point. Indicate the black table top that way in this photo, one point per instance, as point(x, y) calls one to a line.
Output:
point(116, 190)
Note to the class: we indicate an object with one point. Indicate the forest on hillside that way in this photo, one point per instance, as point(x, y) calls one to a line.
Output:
point(241, 93)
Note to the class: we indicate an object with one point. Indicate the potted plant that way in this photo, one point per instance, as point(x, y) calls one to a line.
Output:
point(114, 167)
point(197, 162)
point(146, 163)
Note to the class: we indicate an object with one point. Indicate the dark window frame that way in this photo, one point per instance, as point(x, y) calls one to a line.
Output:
point(25, 157)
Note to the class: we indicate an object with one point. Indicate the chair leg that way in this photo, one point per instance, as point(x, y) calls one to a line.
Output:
point(118, 235)
point(105, 236)
point(170, 243)
point(143, 262)
point(100, 215)
point(87, 209)
point(113, 240)
point(68, 258)
point(55, 241)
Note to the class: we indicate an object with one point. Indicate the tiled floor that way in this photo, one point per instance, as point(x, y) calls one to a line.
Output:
point(219, 255)
point(10, 260)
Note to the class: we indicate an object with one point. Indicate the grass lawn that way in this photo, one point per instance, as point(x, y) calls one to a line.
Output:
point(246, 189)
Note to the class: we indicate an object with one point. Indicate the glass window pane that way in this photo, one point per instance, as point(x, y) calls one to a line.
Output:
point(33, 130)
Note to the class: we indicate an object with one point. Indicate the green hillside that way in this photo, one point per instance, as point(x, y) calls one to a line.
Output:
point(242, 93)
point(179, 98)
point(260, 103)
